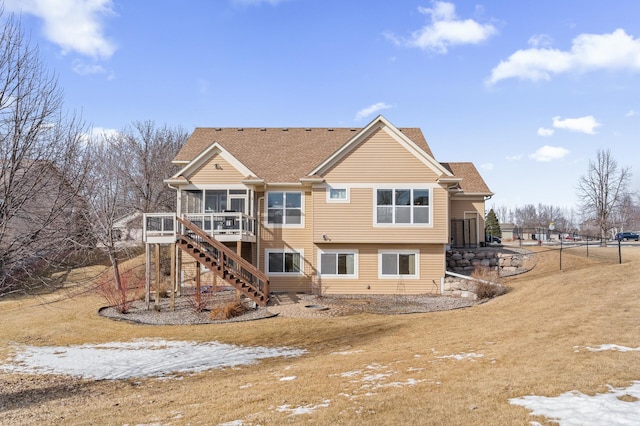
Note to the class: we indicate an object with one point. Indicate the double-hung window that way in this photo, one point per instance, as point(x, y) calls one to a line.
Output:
point(403, 206)
point(339, 263)
point(395, 264)
point(284, 262)
point(284, 208)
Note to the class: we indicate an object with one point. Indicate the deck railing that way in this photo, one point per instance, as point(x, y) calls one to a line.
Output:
point(159, 227)
point(229, 226)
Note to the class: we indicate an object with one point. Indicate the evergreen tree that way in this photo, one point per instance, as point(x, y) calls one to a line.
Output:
point(492, 225)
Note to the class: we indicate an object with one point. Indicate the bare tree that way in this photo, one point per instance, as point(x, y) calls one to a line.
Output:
point(41, 171)
point(148, 150)
point(127, 176)
point(603, 189)
point(106, 195)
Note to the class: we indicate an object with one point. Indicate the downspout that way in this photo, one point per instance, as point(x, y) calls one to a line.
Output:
point(260, 201)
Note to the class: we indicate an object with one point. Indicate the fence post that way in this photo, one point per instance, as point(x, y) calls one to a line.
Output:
point(619, 252)
point(560, 251)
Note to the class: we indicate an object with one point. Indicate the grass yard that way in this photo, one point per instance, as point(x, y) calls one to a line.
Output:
point(458, 367)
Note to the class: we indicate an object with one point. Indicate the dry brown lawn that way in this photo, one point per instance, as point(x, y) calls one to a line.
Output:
point(361, 369)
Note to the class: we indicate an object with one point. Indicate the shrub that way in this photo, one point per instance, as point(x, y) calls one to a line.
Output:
point(488, 283)
point(131, 286)
point(485, 290)
point(228, 310)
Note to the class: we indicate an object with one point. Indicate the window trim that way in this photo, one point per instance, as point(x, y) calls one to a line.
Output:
point(266, 222)
point(400, 186)
point(283, 251)
point(415, 276)
point(354, 252)
point(347, 198)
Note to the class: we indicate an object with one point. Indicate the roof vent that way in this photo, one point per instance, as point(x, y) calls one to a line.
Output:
point(263, 129)
point(218, 129)
point(353, 130)
point(285, 130)
point(331, 130)
point(307, 129)
point(240, 129)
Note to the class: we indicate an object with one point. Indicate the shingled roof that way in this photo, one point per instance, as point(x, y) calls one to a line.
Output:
point(279, 154)
point(472, 182)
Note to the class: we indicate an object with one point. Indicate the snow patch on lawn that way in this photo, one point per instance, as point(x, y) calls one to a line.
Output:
point(461, 356)
point(137, 358)
point(612, 347)
point(304, 409)
point(618, 407)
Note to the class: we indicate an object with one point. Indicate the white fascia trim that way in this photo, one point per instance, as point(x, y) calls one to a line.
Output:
point(207, 154)
point(214, 186)
point(355, 253)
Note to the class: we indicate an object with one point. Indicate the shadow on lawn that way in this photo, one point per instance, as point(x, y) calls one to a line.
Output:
point(19, 392)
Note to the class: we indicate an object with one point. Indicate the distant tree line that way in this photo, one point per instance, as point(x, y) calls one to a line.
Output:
point(607, 207)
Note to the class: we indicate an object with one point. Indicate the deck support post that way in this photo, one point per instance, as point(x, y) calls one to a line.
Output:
point(178, 283)
point(198, 294)
point(172, 280)
point(147, 275)
point(157, 298)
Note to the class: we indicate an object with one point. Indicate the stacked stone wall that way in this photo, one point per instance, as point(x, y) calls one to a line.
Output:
point(506, 262)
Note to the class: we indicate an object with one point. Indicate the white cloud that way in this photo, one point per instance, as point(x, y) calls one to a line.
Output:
point(585, 124)
point(631, 113)
point(445, 30)
point(99, 135)
point(549, 153)
point(82, 68)
point(372, 109)
point(74, 25)
point(540, 40)
point(487, 166)
point(516, 157)
point(615, 51)
point(545, 132)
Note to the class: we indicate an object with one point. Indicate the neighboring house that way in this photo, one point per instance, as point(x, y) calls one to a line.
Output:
point(128, 227)
point(41, 220)
point(336, 210)
point(510, 231)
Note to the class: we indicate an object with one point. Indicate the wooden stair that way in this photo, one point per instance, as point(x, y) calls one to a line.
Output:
point(224, 262)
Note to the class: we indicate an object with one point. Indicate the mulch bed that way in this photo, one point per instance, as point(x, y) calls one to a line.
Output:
point(185, 312)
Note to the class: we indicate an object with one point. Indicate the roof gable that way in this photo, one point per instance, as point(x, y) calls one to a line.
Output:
point(471, 181)
point(381, 123)
point(213, 150)
point(278, 155)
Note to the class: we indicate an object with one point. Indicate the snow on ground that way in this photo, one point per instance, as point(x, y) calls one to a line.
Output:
point(461, 356)
point(618, 407)
point(303, 409)
point(575, 408)
point(137, 358)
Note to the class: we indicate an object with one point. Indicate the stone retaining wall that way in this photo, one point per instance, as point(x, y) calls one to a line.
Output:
point(506, 261)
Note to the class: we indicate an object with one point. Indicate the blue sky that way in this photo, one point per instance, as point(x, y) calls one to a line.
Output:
point(527, 90)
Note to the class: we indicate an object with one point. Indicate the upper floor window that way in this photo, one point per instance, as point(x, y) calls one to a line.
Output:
point(402, 206)
point(284, 207)
point(337, 195)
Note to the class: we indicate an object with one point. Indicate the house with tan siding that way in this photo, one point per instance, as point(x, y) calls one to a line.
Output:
point(331, 210)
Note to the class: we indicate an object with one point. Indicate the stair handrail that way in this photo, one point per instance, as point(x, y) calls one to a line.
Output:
point(227, 252)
